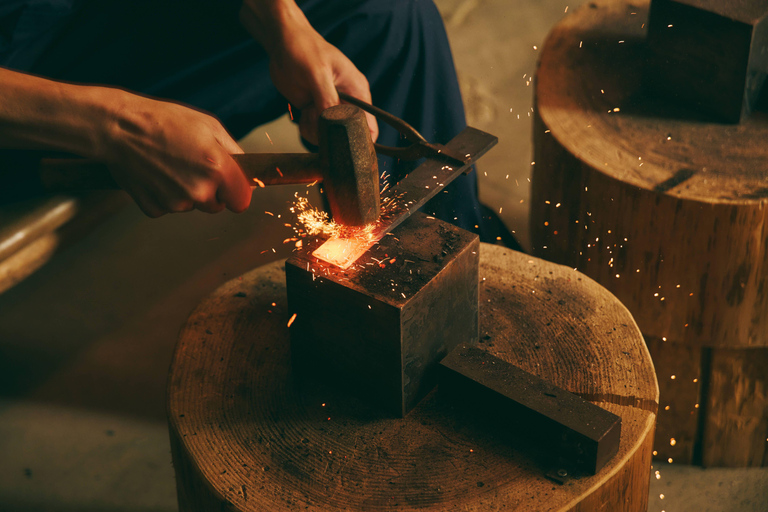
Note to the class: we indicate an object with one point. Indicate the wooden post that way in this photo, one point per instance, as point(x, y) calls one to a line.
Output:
point(246, 438)
point(669, 214)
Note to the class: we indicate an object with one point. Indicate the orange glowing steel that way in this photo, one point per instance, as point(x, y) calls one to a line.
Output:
point(345, 244)
point(342, 252)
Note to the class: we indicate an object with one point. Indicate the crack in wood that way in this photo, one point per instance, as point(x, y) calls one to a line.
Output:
point(681, 176)
point(645, 404)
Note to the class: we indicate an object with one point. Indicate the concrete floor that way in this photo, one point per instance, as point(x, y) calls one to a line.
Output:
point(85, 343)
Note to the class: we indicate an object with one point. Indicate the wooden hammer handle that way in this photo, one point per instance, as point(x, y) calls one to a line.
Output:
point(71, 174)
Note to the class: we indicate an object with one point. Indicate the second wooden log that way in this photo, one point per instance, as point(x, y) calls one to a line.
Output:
point(667, 213)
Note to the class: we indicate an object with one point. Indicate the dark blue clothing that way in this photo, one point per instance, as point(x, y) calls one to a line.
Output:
point(196, 52)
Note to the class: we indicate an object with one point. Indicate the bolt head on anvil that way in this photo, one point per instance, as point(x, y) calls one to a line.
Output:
point(709, 54)
point(380, 328)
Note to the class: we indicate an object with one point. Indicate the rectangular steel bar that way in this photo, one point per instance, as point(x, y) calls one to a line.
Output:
point(431, 177)
point(561, 423)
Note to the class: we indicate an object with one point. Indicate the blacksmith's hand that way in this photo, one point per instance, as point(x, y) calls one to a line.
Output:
point(169, 157)
point(304, 67)
point(172, 158)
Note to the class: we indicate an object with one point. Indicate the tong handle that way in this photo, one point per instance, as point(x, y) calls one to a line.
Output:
point(395, 122)
point(418, 149)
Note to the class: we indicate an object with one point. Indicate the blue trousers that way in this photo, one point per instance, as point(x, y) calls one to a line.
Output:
point(196, 52)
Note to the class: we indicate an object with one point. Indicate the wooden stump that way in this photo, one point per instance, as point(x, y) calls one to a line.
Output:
point(245, 437)
point(669, 214)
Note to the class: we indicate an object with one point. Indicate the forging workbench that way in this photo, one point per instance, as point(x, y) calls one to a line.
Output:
point(246, 436)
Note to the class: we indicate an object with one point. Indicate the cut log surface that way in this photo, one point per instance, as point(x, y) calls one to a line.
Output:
point(664, 209)
point(246, 436)
point(640, 173)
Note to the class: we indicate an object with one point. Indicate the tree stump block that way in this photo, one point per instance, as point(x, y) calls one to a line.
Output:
point(245, 436)
point(668, 213)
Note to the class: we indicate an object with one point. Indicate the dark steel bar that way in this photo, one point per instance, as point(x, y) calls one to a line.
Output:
point(561, 423)
point(430, 178)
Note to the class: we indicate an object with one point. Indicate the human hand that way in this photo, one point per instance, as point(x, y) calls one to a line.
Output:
point(172, 158)
point(169, 157)
point(304, 67)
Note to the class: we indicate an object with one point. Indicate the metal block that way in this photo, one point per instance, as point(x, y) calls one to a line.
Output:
point(566, 426)
point(710, 54)
point(380, 328)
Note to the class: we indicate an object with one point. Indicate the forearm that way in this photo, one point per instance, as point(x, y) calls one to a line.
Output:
point(36, 113)
point(269, 21)
point(306, 69)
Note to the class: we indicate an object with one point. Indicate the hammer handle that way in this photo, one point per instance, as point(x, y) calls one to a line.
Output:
point(72, 174)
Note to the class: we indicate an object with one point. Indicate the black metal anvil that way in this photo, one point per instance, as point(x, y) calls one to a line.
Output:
point(381, 327)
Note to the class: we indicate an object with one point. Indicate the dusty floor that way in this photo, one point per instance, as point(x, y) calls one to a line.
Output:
point(85, 343)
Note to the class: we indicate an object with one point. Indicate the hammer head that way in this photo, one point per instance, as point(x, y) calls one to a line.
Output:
point(349, 165)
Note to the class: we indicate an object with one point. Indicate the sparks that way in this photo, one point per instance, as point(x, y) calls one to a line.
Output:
point(290, 321)
point(345, 244)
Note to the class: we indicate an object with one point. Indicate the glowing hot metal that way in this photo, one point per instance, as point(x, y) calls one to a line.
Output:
point(341, 252)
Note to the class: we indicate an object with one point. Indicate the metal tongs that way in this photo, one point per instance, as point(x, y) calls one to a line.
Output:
point(419, 148)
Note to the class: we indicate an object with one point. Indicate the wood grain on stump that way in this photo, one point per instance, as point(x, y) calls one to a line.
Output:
point(668, 212)
point(245, 436)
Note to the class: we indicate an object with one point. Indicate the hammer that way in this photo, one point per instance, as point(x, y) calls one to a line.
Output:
point(346, 165)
